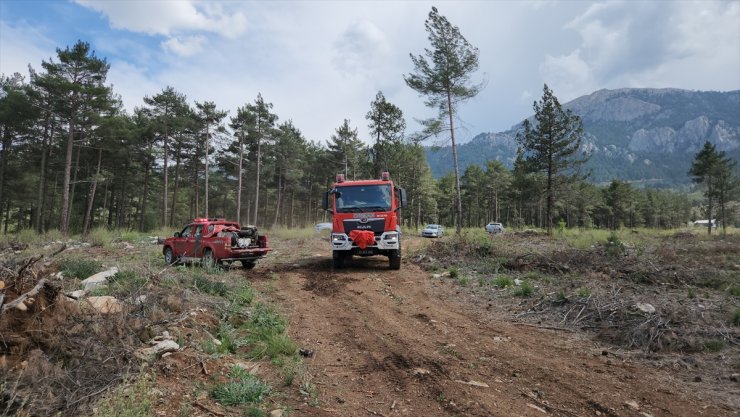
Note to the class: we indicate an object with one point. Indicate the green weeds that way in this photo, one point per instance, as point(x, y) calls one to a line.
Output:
point(79, 268)
point(128, 400)
point(243, 388)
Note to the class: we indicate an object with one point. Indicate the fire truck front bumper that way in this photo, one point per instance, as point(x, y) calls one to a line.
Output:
point(386, 241)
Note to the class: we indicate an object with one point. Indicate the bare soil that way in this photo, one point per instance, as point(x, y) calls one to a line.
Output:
point(378, 342)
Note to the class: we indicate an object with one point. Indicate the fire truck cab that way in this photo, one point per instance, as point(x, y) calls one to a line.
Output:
point(366, 219)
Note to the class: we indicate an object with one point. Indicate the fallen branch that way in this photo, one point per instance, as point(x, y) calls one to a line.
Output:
point(23, 297)
point(562, 329)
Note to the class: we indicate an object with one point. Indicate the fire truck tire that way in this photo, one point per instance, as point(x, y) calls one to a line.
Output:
point(208, 260)
point(169, 257)
point(394, 259)
point(338, 259)
point(248, 264)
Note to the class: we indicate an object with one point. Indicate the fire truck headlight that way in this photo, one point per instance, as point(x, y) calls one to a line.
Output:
point(391, 236)
point(338, 238)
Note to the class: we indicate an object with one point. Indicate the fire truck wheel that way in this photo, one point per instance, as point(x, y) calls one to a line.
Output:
point(169, 258)
point(394, 259)
point(338, 259)
point(248, 264)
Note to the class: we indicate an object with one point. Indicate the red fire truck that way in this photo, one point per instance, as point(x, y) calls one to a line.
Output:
point(216, 241)
point(366, 221)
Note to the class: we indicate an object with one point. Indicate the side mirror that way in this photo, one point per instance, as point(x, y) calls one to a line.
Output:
point(325, 202)
point(177, 234)
point(401, 197)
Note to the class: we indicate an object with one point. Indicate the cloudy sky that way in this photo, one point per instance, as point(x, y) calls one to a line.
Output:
point(320, 62)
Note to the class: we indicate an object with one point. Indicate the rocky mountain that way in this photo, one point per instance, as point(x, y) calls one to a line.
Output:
point(646, 136)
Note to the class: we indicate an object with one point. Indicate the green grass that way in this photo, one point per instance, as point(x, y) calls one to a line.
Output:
point(292, 233)
point(463, 281)
point(714, 345)
point(127, 283)
point(209, 287)
point(243, 295)
point(454, 273)
point(584, 292)
point(734, 290)
point(736, 317)
point(243, 388)
point(503, 281)
point(525, 289)
point(79, 268)
point(128, 400)
point(100, 236)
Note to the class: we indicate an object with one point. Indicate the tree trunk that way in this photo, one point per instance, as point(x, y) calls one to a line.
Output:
point(458, 200)
point(206, 173)
point(165, 184)
point(239, 179)
point(279, 197)
point(64, 219)
point(177, 183)
point(257, 187)
point(91, 197)
point(4, 161)
point(145, 193)
point(40, 200)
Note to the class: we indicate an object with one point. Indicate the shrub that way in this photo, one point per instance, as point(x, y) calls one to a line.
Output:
point(243, 389)
point(79, 268)
point(133, 400)
point(126, 283)
point(714, 345)
point(99, 236)
point(584, 292)
point(210, 287)
point(736, 317)
point(503, 281)
point(734, 290)
point(524, 290)
point(454, 273)
point(264, 318)
point(244, 295)
point(614, 246)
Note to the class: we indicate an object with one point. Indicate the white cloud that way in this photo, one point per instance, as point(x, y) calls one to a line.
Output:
point(28, 46)
point(185, 46)
point(650, 44)
point(361, 49)
point(164, 17)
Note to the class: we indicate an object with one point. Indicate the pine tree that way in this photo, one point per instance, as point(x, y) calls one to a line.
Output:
point(443, 76)
point(210, 118)
point(714, 170)
point(348, 150)
point(77, 83)
point(550, 146)
point(387, 126)
point(167, 109)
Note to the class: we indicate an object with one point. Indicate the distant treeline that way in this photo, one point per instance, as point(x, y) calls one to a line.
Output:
point(73, 159)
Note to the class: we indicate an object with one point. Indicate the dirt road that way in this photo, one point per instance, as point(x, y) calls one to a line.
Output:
point(402, 343)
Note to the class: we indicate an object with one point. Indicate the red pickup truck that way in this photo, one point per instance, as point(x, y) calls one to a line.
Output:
point(216, 241)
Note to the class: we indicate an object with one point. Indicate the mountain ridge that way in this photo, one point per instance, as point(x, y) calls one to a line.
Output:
point(643, 135)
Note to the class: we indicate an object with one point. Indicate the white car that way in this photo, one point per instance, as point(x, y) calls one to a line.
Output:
point(494, 228)
point(433, 230)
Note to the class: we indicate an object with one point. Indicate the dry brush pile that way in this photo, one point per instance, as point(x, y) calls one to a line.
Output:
point(678, 293)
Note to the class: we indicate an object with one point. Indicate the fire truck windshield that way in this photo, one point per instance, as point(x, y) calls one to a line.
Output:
point(363, 198)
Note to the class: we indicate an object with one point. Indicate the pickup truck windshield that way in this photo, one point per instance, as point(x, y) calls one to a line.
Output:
point(363, 198)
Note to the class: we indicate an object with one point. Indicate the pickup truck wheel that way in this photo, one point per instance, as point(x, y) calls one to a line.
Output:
point(394, 259)
point(248, 264)
point(338, 259)
point(208, 260)
point(169, 257)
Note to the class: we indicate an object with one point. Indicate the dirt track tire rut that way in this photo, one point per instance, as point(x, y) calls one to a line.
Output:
point(394, 343)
